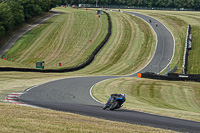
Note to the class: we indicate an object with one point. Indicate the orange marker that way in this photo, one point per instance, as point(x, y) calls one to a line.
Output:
point(139, 75)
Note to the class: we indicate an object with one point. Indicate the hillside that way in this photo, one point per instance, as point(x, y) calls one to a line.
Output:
point(177, 23)
point(62, 39)
point(123, 54)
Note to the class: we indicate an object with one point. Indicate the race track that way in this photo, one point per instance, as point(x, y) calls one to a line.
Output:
point(73, 94)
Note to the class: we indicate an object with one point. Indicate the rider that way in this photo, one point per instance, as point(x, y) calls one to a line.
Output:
point(114, 95)
point(150, 20)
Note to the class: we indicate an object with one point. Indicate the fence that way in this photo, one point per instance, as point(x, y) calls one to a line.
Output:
point(134, 7)
point(172, 77)
point(188, 46)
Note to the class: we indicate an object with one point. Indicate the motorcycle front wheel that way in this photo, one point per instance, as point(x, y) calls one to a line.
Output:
point(114, 105)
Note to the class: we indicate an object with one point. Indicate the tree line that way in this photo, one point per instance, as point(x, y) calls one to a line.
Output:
point(145, 3)
point(14, 12)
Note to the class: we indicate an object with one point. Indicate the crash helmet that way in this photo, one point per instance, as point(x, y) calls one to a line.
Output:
point(123, 94)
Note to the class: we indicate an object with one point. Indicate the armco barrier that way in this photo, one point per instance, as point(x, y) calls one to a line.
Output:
point(187, 48)
point(135, 7)
point(172, 77)
point(188, 76)
point(86, 63)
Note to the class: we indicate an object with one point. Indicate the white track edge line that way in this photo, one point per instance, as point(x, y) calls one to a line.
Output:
point(146, 64)
point(154, 49)
point(171, 35)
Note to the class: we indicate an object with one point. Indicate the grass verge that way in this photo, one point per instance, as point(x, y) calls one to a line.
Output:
point(193, 60)
point(25, 119)
point(175, 99)
point(177, 23)
point(160, 97)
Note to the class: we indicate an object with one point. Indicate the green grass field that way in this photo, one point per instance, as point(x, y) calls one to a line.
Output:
point(17, 81)
point(168, 98)
point(20, 119)
point(193, 60)
point(130, 47)
point(123, 54)
point(177, 23)
point(21, 26)
point(62, 39)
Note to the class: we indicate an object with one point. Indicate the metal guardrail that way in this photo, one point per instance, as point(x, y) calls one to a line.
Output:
point(188, 46)
point(135, 7)
point(171, 76)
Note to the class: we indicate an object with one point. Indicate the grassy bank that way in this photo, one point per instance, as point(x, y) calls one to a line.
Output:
point(193, 60)
point(15, 29)
point(17, 82)
point(177, 23)
point(130, 47)
point(47, 121)
point(62, 39)
point(175, 99)
point(118, 57)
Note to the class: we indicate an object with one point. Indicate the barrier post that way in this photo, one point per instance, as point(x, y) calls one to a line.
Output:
point(139, 75)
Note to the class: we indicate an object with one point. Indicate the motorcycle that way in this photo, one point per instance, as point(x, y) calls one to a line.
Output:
point(116, 102)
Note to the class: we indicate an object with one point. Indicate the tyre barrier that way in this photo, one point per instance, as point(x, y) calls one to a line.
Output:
point(171, 76)
point(81, 66)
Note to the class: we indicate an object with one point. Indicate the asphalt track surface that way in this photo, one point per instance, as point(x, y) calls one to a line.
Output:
point(73, 94)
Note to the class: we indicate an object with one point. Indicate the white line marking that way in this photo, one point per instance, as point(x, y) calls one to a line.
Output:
point(155, 47)
point(172, 37)
point(105, 79)
point(146, 64)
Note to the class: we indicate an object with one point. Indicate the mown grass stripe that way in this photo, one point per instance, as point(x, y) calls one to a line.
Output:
point(89, 57)
point(131, 39)
point(177, 22)
point(167, 98)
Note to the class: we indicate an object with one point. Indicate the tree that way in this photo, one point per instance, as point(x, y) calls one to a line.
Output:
point(6, 17)
point(43, 4)
point(2, 31)
point(190, 3)
point(197, 4)
point(28, 8)
point(130, 2)
point(54, 3)
point(140, 2)
point(150, 3)
point(17, 11)
point(178, 3)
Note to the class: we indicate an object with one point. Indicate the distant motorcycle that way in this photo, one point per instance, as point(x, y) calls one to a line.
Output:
point(150, 20)
point(156, 25)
